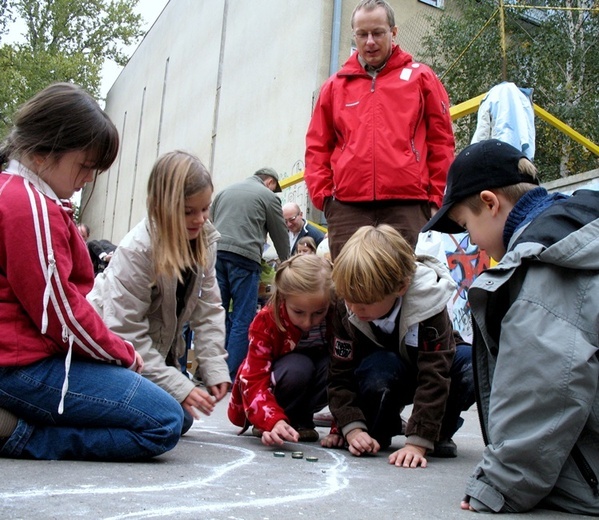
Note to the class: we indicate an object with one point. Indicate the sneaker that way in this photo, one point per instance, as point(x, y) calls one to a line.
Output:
point(307, 435)
point(445, 449)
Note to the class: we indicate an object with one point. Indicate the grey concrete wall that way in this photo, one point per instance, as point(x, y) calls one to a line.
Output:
point(588, 180)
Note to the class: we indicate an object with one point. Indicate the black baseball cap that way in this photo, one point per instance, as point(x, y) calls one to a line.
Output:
point(481, 166)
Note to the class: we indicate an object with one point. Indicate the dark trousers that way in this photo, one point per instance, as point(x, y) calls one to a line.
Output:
point(300, 385)
point(386, 384)
point(344, 218)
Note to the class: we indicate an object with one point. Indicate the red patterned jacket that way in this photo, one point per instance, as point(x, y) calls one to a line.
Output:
point(252, 399)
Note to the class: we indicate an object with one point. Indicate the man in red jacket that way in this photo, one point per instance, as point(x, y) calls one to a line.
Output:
point(380, 140)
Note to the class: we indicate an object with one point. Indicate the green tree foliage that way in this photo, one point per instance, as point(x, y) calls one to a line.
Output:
point(553, 51)
point(65, 40)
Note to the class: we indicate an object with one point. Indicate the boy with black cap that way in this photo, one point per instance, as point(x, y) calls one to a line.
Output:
point(536, 318)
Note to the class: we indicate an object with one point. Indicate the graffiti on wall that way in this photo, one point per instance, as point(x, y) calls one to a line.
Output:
point(465, 261)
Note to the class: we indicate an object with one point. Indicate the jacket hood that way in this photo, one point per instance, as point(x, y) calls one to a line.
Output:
point(565, 235)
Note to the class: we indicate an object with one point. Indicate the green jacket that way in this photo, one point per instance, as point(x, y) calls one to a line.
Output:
point(244, 213)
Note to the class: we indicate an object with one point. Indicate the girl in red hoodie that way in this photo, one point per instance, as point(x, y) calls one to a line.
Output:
point(69, 388)
point(282, 381)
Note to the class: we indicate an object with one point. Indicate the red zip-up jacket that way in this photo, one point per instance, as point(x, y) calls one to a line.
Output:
point(45, 273)
point(383, 138)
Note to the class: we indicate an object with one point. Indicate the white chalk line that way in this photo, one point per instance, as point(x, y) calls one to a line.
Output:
point(333, 483)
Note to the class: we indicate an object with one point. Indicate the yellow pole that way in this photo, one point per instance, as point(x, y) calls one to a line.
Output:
point(503, 44)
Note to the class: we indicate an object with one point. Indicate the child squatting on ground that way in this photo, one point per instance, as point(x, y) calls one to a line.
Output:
point(162, 276)
point(535, 317)
point(282, 381)
point(69, 387)
point(394, 345)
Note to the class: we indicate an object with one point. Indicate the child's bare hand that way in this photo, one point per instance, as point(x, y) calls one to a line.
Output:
point(333, 440)
point(200, 400)
point(279, 434)
point(465, 504)
point(410, 456)
point(219, 391)
point(360, 442)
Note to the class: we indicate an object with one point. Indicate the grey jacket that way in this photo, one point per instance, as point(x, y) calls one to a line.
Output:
point(244, 213)
point(536, 319)
point(144, 312)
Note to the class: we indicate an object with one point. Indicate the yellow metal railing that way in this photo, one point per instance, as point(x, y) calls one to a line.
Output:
point(470, 106)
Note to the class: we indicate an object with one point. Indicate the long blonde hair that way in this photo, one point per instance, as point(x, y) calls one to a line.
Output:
point(175, 177)
point(298, 275)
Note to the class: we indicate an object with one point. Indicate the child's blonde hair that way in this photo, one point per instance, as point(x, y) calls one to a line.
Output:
point(374, 263)
point(512, 193)
point(298, 275)
point(175, 177)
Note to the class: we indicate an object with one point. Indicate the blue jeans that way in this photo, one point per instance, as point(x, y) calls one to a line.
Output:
point(110, 413)
point(387, 384)
point(238, 286)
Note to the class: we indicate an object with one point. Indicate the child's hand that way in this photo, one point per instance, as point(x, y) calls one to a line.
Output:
point(333, 440)
point(200, 400)
point(360, 442)
point(465, 504)
point(410, 456)
point(138, 364)
point(279, 434)
point(219, 391)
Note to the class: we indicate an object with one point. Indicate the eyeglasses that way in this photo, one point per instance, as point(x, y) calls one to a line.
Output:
point(291, 219)
point(377, 35)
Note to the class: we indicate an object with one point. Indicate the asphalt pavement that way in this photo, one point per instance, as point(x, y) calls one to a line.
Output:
point(215, 474)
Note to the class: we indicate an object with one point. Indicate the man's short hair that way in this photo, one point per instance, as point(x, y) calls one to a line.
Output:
point(369, 5)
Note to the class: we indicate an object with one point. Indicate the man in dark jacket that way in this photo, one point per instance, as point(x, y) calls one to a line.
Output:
point(298, 227)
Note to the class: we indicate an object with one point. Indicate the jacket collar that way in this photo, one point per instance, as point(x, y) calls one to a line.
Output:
point(398, 58)
point(19, 169)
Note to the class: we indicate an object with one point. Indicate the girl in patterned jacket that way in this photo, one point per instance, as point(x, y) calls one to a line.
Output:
point(282, 381)
point(69, 388)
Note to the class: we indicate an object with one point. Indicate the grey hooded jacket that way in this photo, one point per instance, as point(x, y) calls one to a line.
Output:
point(536, 320)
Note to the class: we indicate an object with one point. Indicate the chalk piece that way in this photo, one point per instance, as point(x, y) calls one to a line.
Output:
point(312, 459)
point(279, 453)
point(297, 455)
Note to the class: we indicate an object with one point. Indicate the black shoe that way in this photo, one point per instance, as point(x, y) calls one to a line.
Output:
point(307, 434)
point(445, 449)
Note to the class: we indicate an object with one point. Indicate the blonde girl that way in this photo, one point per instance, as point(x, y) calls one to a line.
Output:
point(68, 385)
point(162, 277)
point(282, 381)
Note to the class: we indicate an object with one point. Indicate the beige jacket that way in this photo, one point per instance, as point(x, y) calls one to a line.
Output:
point(144, 312)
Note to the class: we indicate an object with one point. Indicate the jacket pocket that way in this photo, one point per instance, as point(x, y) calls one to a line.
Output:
point(585, 469)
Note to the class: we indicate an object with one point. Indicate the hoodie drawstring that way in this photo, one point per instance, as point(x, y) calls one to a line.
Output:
point(67, 368)
point(48, 290)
